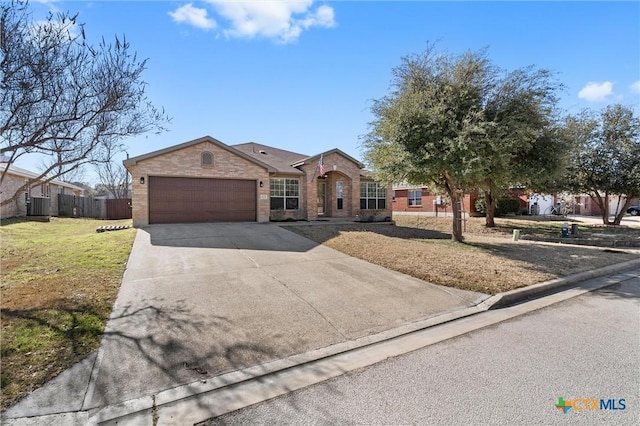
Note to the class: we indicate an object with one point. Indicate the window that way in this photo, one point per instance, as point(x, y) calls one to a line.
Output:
point(285, 193)
point(373, 196)
point(414, 198)
point(339, 192)
point(207, 159)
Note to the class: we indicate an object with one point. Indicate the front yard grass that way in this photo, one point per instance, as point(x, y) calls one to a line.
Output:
point(59, 282)
point(488, 261)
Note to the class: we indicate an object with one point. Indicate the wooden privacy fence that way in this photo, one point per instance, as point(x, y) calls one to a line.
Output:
point(96, 208)
point(119, 208)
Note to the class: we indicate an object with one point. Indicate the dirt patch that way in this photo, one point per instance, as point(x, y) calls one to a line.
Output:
point(487, 262)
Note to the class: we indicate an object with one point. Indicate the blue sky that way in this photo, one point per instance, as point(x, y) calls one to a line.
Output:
point(301, 75)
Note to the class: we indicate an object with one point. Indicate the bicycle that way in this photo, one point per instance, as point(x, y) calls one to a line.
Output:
point(560, 209)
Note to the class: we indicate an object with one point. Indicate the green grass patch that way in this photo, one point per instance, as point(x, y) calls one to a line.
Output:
point(59, 282)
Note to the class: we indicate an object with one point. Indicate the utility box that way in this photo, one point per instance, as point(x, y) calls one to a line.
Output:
point(38, 206)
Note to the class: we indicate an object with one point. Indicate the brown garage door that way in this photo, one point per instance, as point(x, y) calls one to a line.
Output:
point(179, 200)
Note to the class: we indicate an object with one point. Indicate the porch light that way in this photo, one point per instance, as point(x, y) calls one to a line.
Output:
point(142, 180)
point(261, 184)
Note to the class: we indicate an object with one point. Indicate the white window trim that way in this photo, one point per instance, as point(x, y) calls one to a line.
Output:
point(379, 187)
point(284, 186)
point(417, 201)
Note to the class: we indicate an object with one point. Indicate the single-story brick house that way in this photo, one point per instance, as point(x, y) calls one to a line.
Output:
point(407, 198)
point(16, 177)
point(205, 180)
point(422, 199)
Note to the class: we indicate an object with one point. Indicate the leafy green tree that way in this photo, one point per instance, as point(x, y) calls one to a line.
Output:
point(64, 99)
point(520, 146)
point(606, 157)
point(459, 123)
point(423, 129)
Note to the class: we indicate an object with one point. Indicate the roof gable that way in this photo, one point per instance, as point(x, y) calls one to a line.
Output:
point(316, 157)
point(134, 160)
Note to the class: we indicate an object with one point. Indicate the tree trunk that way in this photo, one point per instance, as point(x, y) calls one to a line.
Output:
point(603, 204)
point(455, 196)
point(490, 209)
point(457, 217)
point(605, 212)
point(623, 211)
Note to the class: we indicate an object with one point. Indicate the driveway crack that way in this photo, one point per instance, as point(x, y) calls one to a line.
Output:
point(282, 283)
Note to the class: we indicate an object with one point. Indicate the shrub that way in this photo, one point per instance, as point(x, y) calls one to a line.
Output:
point(481, 207)
point(505, 206)
point(508, 205)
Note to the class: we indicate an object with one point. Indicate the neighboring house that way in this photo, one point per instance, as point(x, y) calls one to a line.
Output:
point(580, 204)
point(616, 203)
point(205, 180)
point(16, 177)
point(421, 199)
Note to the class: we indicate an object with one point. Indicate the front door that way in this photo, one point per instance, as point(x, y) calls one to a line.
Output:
point(322, 191)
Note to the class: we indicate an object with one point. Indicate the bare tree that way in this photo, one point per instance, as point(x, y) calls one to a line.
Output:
point(113, 175)
point(64, 98)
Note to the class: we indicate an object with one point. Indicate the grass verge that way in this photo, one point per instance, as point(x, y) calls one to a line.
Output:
point(487, 262)
point(59, 282)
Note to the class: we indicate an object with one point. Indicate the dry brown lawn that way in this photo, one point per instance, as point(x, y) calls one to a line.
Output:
point(488, 261)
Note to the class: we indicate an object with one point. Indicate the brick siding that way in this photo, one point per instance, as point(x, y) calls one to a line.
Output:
point(401, 202)
point(186, 162)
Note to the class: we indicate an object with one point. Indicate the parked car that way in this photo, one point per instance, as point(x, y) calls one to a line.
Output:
point(634, 210)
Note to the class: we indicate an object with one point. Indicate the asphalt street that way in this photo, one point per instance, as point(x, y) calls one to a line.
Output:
point(511, 373)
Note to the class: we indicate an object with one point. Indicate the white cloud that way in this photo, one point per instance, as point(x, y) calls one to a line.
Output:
point(635, 87)
point(282, 20)
point(196, 16)
point(594, 92)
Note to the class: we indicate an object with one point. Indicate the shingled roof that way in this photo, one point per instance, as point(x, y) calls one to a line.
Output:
point(279, 159)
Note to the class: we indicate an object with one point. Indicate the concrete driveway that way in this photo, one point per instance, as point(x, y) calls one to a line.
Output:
point(199, 300)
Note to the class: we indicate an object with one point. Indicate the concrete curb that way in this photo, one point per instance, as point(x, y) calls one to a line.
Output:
point(260, 372)
point(521, 294)
point(601, 243)
point(147, 406)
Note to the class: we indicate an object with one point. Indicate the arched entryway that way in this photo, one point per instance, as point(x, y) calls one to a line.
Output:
point(334, 194)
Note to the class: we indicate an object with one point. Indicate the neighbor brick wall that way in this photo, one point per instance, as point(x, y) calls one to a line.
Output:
point(186, 162)
point(401, 202)
point(10, 185)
